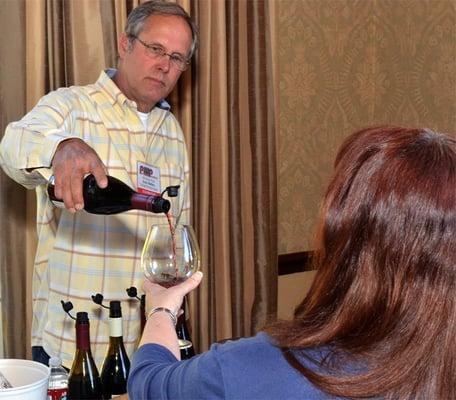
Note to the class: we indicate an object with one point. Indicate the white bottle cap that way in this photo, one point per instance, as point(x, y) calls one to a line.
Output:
point(55, 362)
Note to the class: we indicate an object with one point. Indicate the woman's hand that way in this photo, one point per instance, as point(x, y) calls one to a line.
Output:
point(171, 298)
point(159, 328)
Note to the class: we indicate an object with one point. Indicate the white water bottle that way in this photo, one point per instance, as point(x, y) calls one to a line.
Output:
point(58, 380)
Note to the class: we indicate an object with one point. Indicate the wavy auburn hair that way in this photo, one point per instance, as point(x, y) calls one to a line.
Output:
point(384, 296)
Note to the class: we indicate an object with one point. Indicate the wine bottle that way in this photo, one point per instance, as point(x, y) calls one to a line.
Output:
point(84, 381)
point(117, 197)
point(116, 366)
point(142, 310)
point(183, 334)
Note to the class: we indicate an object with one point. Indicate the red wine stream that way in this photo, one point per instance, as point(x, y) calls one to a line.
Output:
point(173, 238)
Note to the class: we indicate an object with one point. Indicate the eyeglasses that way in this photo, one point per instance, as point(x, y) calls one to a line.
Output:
point(156, 51)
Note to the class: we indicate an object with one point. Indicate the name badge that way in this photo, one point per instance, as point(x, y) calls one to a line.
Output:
point(148, 179)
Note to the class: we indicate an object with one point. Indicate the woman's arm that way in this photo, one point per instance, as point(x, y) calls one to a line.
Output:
point(160, 325)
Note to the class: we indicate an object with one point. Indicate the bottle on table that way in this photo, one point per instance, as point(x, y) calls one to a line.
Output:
point(84, 380)
point(116, 365)
point(183, 334)
point(142, 311)
point(58, 380)
point(142, 315)
point(117, 197)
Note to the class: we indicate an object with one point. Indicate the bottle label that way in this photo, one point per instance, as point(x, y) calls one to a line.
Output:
point(57, 394)
point(115, 327)
point(148, 179)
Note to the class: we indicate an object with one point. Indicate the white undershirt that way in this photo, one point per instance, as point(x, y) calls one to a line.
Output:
point(144, 117)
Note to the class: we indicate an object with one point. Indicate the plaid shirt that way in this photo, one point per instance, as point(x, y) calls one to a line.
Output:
point(82, 254)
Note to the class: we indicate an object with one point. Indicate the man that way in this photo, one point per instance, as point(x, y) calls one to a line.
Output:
point(121, 125)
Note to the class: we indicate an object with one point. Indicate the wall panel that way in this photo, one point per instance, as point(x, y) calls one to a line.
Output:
point(346, 64)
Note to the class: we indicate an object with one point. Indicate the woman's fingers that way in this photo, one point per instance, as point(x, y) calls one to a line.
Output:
point(191, 283)
point(183, 288)
point(158, 296)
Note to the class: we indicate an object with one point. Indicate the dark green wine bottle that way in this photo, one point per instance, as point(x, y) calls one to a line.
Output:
point(116, 366)
point(83, 381)
point(142, 310)
point(183, 334)
point(117, 197)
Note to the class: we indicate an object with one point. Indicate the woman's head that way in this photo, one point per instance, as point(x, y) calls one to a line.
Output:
point(388, 226)
point(386, 258)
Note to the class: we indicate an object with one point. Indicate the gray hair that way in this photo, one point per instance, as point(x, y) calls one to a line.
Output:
point(138, 16)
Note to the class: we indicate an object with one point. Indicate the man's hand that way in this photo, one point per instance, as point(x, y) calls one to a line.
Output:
point(73, 160)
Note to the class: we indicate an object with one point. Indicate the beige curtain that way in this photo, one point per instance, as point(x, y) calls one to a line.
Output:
point(225, 105)
point(234, 169)
point(13, 202)
point(47, 44)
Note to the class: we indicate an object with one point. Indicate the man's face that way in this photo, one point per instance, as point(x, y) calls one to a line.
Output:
point(147, 79)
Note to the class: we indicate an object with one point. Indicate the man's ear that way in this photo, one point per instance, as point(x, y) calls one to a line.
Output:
point(122, 44)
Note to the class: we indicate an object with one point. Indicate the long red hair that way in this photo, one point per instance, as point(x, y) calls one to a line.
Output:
point(385, 291)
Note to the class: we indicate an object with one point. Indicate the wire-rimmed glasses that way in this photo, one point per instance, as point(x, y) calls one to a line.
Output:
point(157, 51)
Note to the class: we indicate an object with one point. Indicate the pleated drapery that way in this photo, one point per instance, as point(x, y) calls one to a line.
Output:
point(14, 285)
point(225, 104)
point(234, 167)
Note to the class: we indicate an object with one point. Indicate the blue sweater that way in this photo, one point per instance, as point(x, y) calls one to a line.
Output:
point(250, 368)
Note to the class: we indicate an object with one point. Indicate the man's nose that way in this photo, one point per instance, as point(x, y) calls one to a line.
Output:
point(164, 63)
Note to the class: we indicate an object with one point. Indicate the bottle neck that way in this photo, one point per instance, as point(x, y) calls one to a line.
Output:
point(142, 310)
point(115, 327)
point(182, 317)
point(83, 336)
point(181, 326)
point(141, 201)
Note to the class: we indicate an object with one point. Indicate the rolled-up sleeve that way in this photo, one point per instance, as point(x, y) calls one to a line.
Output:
point(28, 145)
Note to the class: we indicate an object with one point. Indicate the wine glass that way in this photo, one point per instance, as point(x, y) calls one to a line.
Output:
point(170, 254)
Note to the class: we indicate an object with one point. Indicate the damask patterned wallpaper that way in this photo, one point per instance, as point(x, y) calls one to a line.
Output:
point(347, 64)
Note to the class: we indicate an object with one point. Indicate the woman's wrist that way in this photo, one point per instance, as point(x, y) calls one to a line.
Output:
point(165, 310)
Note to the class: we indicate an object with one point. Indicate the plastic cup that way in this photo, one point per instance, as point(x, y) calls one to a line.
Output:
point(29, 379)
